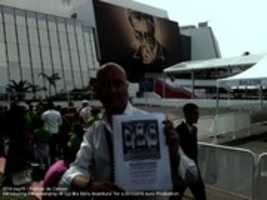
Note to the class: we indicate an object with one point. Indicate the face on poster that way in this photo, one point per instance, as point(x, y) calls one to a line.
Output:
point(140, 140)
point(138, 41)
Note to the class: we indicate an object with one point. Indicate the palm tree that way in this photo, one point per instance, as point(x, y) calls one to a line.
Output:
point(52, 80)
point(36, 88)
point(19, 89)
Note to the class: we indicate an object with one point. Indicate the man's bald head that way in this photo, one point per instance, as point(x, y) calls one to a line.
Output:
point(112, 88)
point(110, 66)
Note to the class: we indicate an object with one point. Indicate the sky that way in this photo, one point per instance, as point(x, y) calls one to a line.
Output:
point(238, 25)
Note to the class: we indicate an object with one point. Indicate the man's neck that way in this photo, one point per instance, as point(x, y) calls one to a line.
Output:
point(189, 123)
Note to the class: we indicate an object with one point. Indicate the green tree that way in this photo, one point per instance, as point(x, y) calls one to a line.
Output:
point(18, 89)
point(52, 81)
point(37, 88)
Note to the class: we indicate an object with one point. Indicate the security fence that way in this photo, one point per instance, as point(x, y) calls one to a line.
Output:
point(261, 178)
point(228, 168)
point(234, 170)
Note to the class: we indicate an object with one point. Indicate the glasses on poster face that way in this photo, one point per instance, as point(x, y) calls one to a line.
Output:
point(144, 37)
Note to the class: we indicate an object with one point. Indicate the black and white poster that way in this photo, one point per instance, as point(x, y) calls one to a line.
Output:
point(140, 42)
point(140, 152)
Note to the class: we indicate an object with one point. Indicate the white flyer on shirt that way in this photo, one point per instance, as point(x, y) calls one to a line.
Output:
point(141, 154)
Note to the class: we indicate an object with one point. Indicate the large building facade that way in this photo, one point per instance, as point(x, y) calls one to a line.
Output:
point(32, 43)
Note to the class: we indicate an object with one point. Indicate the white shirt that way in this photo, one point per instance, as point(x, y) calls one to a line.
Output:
point(93, 158)
point(52, 120)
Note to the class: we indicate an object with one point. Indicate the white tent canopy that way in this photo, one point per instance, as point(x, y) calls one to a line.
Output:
point(256, 75)
point(232, 62)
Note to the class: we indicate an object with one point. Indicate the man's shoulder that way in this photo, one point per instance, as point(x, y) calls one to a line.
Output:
point(95, 129)
point(181, 127)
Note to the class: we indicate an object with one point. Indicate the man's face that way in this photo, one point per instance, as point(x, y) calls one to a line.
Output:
point(112, 90)
point(193, 116)
point(144, 35)
point(143, 31)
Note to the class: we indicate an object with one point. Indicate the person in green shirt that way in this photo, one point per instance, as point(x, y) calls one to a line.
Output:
point(42, 152)
point(76, 137)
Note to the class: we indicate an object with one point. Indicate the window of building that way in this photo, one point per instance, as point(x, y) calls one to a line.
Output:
point(85, 76)
point(2, 54)
point(68, 78)
point(24, 54)
point(12, 52)
point(56, 56)
point(44, 38)
point(36, 74)
point(52, 24)
point(8, 15)
point(26, 72)
point(10, 33)
point(33, 36)
point(66, 59)
point(3, 76)
point(41, 22)
point(61, 26)
point(46, 55)
point(77, 78)
point(72, 41)
point(35, 52)
point(63, 41)
point(22, 35)
point(14, 71)
point(74, 57)
point(83, 60)
point(20, 20)
point(2, 39)
point(1, 18)
point(48, 69)
point(60, 82)
point(53, 38)
point(31, 18)
point(70, 28)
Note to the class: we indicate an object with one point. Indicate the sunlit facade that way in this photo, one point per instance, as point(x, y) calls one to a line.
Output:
point(32, 43)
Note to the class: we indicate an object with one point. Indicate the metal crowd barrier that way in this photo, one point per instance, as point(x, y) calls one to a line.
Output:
point(261, 178)
point(228, 168)
point(232, 122)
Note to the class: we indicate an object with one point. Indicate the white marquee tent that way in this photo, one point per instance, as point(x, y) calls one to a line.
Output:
point(254, 76)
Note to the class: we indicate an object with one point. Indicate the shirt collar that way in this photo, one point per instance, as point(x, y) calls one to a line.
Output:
point(129, 109)
point(189, 126)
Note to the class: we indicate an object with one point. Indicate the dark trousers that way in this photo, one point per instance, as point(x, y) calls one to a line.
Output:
point(197, 189)
point(53, 147)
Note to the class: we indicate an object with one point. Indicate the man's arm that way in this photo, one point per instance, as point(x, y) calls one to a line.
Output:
point(60, 121)
point(78, 175)
point(172, 140)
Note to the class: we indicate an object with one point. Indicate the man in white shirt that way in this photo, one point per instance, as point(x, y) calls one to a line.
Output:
point(93, 166)
point(52, 122)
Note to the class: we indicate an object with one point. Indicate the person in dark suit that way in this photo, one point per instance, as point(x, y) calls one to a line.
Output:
point(187, 133)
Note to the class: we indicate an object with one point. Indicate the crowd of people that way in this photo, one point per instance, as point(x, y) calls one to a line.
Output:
point(72, 147)
point(34, 137)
